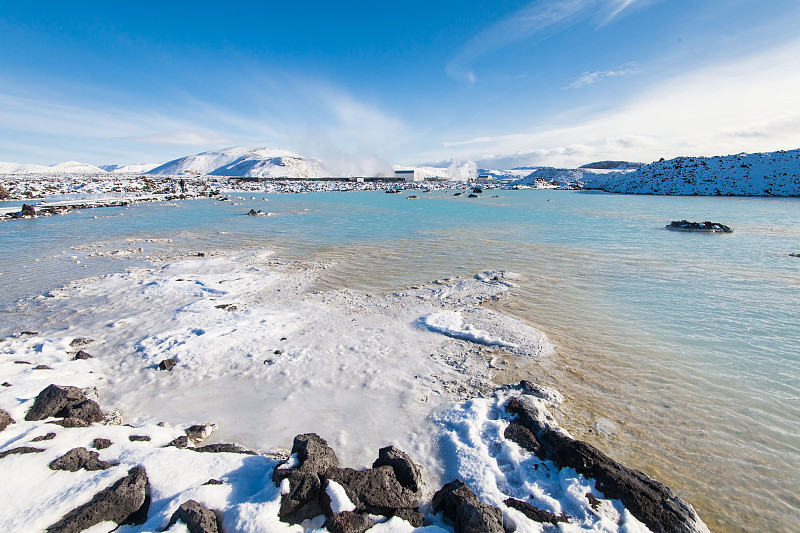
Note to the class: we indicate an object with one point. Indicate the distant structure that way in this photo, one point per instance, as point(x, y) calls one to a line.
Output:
point(408, 175)
point(194, 173)
point(486, 177)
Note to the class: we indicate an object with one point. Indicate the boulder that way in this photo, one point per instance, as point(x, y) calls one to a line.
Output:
point(461, 507)
point(64, 402)
point(198, 519)
point(126, 502)
point(7, 384)
point(19, 450)
point(306, 478)
point(651, 502)
point(375, 490)
point(101, 444)
point(28, 211)
point(40, 438)
point(5, 420)
point(405, 470)
point(197, 433)
point(71, 423)
point(81, 355)
point(536, 514)
point(348, 522)
point(42, 367)
point(79, 458)
point(139, 438)
point(223, 447)
point(167, 364)
point(180, 442)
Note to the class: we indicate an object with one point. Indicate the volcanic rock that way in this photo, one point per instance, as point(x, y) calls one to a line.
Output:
point(348, 522)
point(5, 420)
point(40, 438)
point(223, 448)
point(125, 502)
point(198, 519)
point(375, 490)
point(405, 470)
point(81, 355)
point(101, 444)
point(465, 511)
point(66, 402)
point(167, 364)
point(651, 502)
point(79, 458)
point(536, 514)
point(19, 450)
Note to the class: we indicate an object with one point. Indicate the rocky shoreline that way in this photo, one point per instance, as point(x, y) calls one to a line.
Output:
point(313, 490)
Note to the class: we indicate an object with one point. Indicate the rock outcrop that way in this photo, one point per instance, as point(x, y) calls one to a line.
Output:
point(5, 420)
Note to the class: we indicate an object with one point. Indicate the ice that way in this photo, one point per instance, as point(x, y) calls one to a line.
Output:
point(451, 324)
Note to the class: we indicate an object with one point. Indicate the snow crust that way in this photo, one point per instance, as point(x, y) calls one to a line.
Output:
point(340, 502)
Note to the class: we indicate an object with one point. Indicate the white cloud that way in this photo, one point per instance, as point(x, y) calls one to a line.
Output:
point(188, 137)
point(746, 105)
point(534, 22)
point(589, 78)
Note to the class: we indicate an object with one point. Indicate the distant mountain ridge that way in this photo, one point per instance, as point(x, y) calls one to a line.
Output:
point(65, 167)
point(758, 174)
point(245, 162)
point(612, 165)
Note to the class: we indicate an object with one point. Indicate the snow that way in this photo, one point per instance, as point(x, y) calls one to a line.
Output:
point(340, 502)
point(759, 174)
point(130, 168)
point(359, 369)
point(245, 162)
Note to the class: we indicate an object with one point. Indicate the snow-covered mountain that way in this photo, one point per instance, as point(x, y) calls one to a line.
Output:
point(130, 169)
point(760, 174)
point(612, 165)
point(65, 167)
point(245, 162)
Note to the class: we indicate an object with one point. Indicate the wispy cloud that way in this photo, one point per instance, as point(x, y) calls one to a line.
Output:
point(533, 23)
point(589, 78)
point(186, 137)
point(476, 140)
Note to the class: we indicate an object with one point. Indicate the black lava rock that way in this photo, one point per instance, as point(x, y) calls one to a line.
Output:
point(198, 519)
point(465, 511)
point(79, 458)
point(125, 502)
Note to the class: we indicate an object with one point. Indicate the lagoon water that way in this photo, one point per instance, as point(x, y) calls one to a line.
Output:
point(679, 353)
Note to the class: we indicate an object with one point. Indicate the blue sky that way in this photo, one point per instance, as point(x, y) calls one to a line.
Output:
point(359, 84)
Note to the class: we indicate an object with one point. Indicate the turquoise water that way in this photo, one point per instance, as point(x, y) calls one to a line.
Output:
point(679, 353)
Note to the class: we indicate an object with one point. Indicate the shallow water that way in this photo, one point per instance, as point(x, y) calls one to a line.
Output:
point(678, 352)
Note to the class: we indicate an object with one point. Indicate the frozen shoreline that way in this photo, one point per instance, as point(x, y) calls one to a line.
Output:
point(265, 359)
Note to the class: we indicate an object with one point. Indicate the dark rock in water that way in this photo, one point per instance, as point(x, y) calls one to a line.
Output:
point(101, 444)
point(65, 402)
point(19, 450)
point(405, 470)
point(5, 420)
point(457, 194)
point(198, 519)
point(477, 190)
point(518, 433)
point(651, 502)
point(42, 367)
point(180, 442)
point(167, 364)
point(126, 502)
point(79, 458)
point(465, 511)
point(28, 211)
point(375, 490)
point(412, 197)
point(794, 255)
point(306, 481)
point(81, 355)
point(40, 438)
point(71, 423)
point(415, 518)
point(224, 448)
point(536, 514)
point(704, 227)
point(472, 195)
point(139, 438)
point(348, 522)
